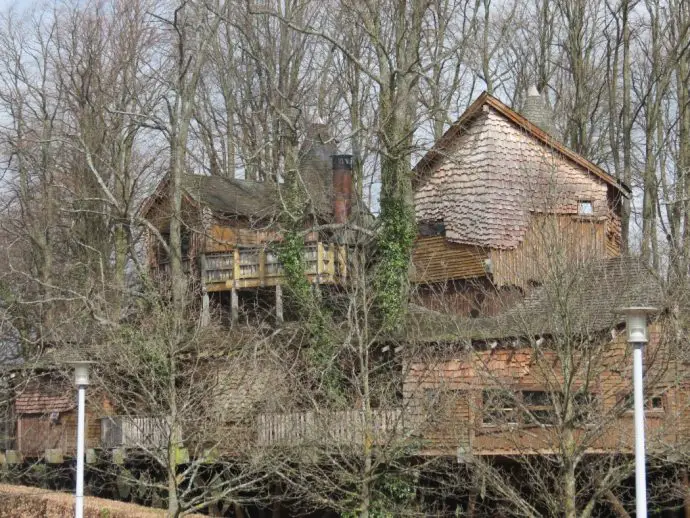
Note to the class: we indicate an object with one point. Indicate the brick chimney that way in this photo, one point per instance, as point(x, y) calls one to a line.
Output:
point(342, 187)
point(316, 165)
point(537, 111)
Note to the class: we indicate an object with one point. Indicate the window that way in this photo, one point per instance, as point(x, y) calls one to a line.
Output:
point(586, 407)
point(653, 403)
point(499, 408)
point(585, 208)
point(539, 407)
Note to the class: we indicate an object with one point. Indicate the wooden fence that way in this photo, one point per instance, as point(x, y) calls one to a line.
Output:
point(334, 428)
point(135, 432)
point(252, 267)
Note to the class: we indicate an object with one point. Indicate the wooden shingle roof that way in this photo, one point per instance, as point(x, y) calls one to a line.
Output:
point(439, 150)
point(44, 398)
point(581, 301)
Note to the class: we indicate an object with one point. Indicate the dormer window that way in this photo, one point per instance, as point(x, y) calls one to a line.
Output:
point(585, 208)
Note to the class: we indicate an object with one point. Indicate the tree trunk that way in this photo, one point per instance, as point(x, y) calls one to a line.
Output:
point(616, 505)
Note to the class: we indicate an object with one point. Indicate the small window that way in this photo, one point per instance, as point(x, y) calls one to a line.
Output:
point(655, 403)
point(585, 208)
point(499, 408)
point(586, 408)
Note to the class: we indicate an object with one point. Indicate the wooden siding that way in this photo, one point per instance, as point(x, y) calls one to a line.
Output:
point(549, 239)
point(451, 393)
point(134, 432)
point(437, 259)
point(494, 175)
point(37, 433)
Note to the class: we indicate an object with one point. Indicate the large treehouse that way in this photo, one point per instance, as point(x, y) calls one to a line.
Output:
point(495, 196)
point(231, 228)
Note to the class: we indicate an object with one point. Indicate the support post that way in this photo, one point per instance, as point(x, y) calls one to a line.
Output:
point(205, 305)
point(205, 308)
point(234, 305)
point(79, 494)
point(279, 303)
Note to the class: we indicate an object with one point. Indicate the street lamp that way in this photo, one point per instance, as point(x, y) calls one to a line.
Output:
point(636, 329)
point(81, 380)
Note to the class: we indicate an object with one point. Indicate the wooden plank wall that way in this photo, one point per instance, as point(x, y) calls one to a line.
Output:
point(549, 239)
point(37, 433)
point(436, 259)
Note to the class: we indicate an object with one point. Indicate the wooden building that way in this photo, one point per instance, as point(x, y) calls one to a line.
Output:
point(505, 376)
point(230, 227)
point(496, 192)
point(46, 417)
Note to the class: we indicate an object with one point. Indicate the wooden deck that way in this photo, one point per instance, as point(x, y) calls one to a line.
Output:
point(257, 267)
point(332, 428)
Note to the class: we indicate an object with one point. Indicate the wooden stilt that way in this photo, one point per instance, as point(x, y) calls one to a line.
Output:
point(472, 504)
point(234, 305)
point(279, 303)
point(205, 309)
point(686, 495)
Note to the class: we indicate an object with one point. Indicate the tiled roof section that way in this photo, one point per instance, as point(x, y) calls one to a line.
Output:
point(247, 387)
point(232, 196)
point(45, 397)
point(493, 176)
point(263, 199)
point(583, 300)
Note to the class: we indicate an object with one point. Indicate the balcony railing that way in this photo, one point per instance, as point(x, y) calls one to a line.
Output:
point(251, 267)
point(329, 428)
point(135, 432)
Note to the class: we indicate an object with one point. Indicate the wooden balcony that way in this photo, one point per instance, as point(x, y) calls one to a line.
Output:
point(134, 432)
point(332, 428)
point(256, 267)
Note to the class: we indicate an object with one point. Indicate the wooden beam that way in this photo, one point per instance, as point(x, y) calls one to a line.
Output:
point(13, 457)
point(236, 270)
point(262, 267)
point(205, 308)
point(234, 305)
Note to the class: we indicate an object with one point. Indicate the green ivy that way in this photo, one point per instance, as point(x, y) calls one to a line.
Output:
point(391, 492)
point(312, 313)
point(395, 241)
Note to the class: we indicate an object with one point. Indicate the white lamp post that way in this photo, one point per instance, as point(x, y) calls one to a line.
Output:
point(81, 380)
point(636, 328)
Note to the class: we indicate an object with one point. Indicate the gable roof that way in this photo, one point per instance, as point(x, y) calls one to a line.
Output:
point(45, 395)
point(437, 153)
point(493, 170)
point(232, 196)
